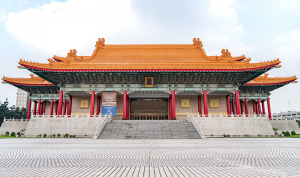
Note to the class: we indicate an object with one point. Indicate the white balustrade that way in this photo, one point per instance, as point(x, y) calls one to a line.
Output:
point(191, 119)
point(105, 120)
point(66, 116)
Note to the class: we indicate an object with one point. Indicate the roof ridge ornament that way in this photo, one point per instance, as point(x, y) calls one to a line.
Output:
point(100, 43)
point(72, 54)
point(225, 53)
point(197, 43)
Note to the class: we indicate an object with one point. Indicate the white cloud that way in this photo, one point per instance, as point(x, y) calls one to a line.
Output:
point(58, 26)
point(3, 16)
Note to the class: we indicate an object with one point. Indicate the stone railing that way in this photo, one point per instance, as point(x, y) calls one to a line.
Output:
point(197, 126)
point(13, 119)
point(106, 119)
point(233, 115)
point(66, 116)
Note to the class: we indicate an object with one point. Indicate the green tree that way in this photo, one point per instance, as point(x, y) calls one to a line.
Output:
point(11, 112)
point(4, 110)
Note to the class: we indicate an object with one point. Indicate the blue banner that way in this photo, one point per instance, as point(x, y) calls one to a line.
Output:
point(109, 110)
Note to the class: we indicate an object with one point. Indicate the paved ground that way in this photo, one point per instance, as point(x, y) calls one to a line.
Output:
point(207, 157)
point(149, 129)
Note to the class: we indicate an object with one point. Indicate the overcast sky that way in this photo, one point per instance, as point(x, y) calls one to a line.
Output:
point(262, 30)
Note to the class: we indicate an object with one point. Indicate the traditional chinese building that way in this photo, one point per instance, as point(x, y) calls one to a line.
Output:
point(152, 82)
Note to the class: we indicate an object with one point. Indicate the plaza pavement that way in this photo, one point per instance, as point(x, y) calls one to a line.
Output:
point(194, 157)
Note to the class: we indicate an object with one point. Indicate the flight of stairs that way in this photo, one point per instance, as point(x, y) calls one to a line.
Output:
point(149, 129)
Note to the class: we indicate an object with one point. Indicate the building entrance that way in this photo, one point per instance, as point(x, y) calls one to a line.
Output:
point(149, 109)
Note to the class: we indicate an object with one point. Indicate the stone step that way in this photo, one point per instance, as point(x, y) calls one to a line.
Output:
point(149, 129)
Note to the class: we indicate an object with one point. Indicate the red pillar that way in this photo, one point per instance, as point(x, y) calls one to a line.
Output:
point(228, 106)
point(246, 107)
point(51, 108)
point(199, 105)
point(269, 109)
point(56, 106)
point(34, 108)
point(173, 103)
point(125, 104)
point(39, 107)
point(263, 107)
point(170, 108)
point(128, 118)
point(92, 103)
point(60, 102)
point(98, 104)
point(237, 102)
point(70, 106)
point(65, 107)
point(44, 107)
point(241, 105)
point(28, 109)
point(233, 109)
point(259, 108)
point(205, 103)
point(254, 107)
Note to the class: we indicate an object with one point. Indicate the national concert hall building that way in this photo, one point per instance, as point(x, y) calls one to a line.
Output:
point(149, 82)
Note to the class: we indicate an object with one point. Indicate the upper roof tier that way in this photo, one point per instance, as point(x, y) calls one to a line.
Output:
point(265, 80)
point(144, 58)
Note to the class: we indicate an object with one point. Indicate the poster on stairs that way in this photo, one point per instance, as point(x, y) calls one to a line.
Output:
point(109, 103)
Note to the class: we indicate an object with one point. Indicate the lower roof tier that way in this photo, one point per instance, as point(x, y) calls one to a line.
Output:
point(261, 84)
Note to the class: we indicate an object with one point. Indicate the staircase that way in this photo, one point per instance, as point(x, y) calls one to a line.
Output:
point(149, 129)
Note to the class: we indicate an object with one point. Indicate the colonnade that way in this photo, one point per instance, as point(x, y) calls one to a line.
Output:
point(235, 108)
point(62, 106)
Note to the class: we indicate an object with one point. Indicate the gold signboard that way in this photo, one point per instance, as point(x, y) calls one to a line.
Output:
point(149, 81)
point(185, 103)
point(84, 103)
point(213, 103)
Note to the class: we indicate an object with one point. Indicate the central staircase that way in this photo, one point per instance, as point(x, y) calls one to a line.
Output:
point(149, 129)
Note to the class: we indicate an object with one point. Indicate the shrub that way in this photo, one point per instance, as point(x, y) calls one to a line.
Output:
point(287, 133)
point(19, 133)
point(7, 133)
point(283, 132)
point(13, 134)
point(266, 135)
point(66, 135)
point(123, 118)
point(58, 135)
point(53, 135)
point(45, 135)
point(40, 135)
point(293, 133)
point(3, 134)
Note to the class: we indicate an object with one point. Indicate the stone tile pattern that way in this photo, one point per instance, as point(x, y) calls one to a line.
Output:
point(132, 158)
point(149, 129)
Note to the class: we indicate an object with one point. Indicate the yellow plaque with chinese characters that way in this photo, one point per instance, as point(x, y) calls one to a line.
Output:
point(84, 103)
point(185, 103)
point(213, 103)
